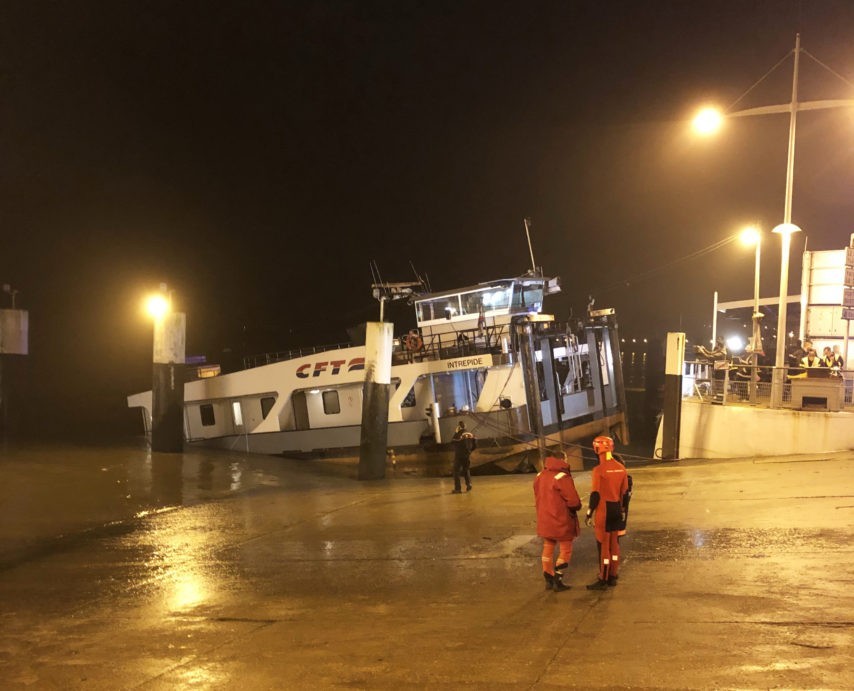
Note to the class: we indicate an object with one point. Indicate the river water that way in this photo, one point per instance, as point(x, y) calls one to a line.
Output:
point(53, 493)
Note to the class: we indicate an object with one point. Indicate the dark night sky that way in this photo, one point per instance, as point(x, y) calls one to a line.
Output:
point(257, 155)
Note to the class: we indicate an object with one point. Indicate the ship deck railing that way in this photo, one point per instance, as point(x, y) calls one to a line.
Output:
point(443, 346)
point(262, 359)
point(724, 382)
point(490, 340)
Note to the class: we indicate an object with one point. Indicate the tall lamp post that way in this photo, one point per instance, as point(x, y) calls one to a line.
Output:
point(707, 122)
point(778, 377)
point(751, 236)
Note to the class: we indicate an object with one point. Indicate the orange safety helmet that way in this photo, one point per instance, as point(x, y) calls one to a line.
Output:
point(603, 444)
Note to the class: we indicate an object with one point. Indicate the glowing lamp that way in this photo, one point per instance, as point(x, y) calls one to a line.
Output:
point(786, 229)
point(735, 344)
point(708, 121)
point(750, 236)
point(157, 306)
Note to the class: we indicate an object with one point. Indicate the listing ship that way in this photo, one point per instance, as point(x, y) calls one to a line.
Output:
point(486, 354)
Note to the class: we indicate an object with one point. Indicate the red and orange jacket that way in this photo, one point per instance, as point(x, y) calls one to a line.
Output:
point(609, 496)
point(557, 501)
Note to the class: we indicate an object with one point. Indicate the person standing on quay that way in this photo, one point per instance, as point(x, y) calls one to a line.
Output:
point(464, 443)
point(838, 362)
point(557, 502)
point(609, 492)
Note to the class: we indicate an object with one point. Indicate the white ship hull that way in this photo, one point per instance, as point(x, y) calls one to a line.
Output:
point(467, 366)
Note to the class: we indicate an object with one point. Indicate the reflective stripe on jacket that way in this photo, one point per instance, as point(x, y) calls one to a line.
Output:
point(610, 481)
point(557, 501)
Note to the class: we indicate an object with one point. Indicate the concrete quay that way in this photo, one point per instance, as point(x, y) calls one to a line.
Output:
point(123, 569)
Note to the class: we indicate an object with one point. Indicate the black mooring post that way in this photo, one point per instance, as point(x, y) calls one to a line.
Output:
point(167, 390)
point(672, 413)
point(14, 346)
point(525, 337)
point(375, 398)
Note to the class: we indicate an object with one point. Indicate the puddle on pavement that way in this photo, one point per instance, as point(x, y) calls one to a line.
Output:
point(672, 545)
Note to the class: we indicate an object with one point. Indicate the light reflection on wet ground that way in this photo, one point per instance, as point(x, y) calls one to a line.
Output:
point(55, 496)
point(226, 570)
point(754, 543)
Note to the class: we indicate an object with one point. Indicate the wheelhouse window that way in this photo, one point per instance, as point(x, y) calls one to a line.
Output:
point(528, 297)
point(446, 307)
point(498, 298)
point(486, 300)
point(492, 297)
point(206, 411)
point(267, 404)
point(331, 404)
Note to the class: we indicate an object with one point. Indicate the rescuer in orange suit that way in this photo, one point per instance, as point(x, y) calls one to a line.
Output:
point(557, 503)
point(609, 494)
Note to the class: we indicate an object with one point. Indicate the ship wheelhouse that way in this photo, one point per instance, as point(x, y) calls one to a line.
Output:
point(492, 303)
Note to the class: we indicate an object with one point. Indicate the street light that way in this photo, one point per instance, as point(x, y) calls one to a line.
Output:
point(785, 229)
point(708, 121)
point(751, 235)
point(157, 306)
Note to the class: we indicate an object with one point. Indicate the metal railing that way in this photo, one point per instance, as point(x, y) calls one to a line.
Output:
point(251, 361)
point(461, 343)
point(735, 383)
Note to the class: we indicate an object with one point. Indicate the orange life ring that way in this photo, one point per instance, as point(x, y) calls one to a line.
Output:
point(414, 342)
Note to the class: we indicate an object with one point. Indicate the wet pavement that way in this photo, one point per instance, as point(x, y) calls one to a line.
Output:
point(121, 569)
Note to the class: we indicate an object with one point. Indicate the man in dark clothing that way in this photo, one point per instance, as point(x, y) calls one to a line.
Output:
point(464, 443)
point(795, 353)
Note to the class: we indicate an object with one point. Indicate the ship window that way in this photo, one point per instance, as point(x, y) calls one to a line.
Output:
point(409, 399)
point(497, 298)
point(207, 413)
point(472, 303)
point(423, 311)
point(528, 297)
point(267, 404)
point(331, 404)
point(439, 308)
point(450, 307)
point(237, 411)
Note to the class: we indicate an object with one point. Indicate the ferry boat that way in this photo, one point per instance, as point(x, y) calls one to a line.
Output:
point(485, 353)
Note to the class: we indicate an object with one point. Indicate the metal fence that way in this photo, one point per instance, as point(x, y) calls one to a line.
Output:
point(728, 383)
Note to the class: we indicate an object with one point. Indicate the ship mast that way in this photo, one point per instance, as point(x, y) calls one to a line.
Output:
point(527, 222)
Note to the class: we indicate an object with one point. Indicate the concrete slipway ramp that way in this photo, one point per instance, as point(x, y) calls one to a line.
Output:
point(120, 569)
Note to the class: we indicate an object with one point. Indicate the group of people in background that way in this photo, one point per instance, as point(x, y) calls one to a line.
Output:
point(799, 359)
point(804, 357)
point(558, 504)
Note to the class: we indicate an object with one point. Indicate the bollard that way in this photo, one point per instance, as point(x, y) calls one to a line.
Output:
point(167, 391)
point(375, 399)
